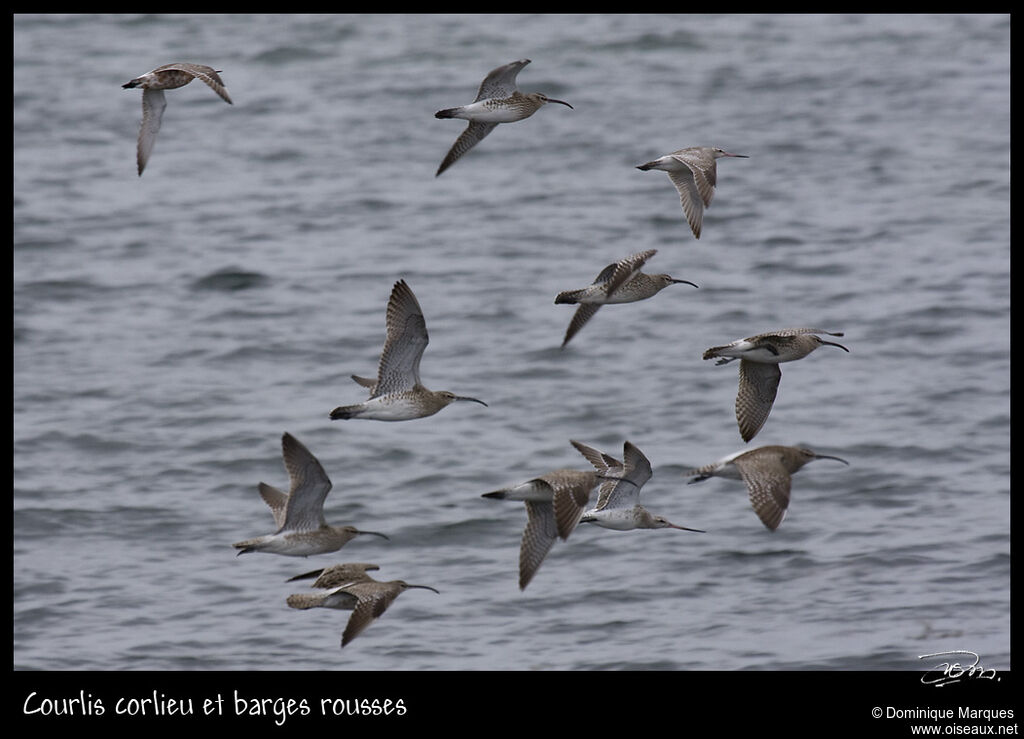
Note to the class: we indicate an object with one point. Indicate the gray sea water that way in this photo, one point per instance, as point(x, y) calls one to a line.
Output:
point(168, 329)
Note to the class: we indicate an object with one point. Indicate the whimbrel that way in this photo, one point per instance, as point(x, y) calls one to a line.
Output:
point(299, 515)
point(365, 597)
point(498, 101)
point(618, 501)
point(397, 394)
point(153, 84)
point(620, 282)
point(759, 369)
point(694, 173)
point(768, 472)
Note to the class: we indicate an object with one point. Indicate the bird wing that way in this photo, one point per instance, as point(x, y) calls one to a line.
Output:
point(338, 575)
point(500, 82)
point(309, 487)
point(538, 536)
point(201, 72)
point(583, 314)
point(571, 495)
point(690, 197)
point(473, 135)
point(618, 274)
point(153, 104)
point(373, 601)
point(795, 332)
point(705, 173)
point(277, 501)
point(604, 463)
point(399, 367)
point(625, 493)
point(769, 484)
point(759, 383)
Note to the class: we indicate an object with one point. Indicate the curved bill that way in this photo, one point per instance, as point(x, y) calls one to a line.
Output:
point(827, 456)
point(375, 533)
point(739, 156)
point(425, 587)
point(475, 400)
point(832, 343)
point(552, 100)
point(685, 282)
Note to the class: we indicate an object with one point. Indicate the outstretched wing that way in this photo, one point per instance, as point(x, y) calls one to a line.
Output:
point(399, 367)
point(201, 72)
point(153, 104)
point(309, 486)
point(500, 82)
point(473, 135)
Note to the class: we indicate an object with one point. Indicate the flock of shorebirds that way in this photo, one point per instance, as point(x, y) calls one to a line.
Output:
point(556, 502)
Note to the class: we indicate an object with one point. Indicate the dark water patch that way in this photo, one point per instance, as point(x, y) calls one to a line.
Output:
point(231, 279)
point(806, 267)
point(279, 155)
point(773, 241)
point(39, 243)
point(62, 290)
point(23, 590)
point(131, 523)
point(283, 55)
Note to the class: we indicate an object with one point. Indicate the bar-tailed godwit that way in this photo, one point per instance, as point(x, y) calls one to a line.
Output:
point(554, 503)
point(618, 501)
point(694, 173)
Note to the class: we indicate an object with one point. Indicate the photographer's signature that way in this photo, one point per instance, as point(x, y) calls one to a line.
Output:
point(949, 672)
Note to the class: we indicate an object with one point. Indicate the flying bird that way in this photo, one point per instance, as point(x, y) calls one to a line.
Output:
point(299, 515)
point(397, 394)
point(694, 173)
point(153, 84)
point(767, 471)
point(498, 101)
point(759, 369)
point(619, 282)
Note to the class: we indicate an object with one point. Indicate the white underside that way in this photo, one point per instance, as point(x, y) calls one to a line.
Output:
point(292, 547)
point(389, 409)
point(481, 113)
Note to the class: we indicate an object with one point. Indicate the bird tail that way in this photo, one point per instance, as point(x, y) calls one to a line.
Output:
point(446, 113)
point(498, 494)
point(569, 296)
point(649, 165)
point(713, 352)
point(246, 546)
point(304, 600)
point(699, 475)
point(345, 411)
